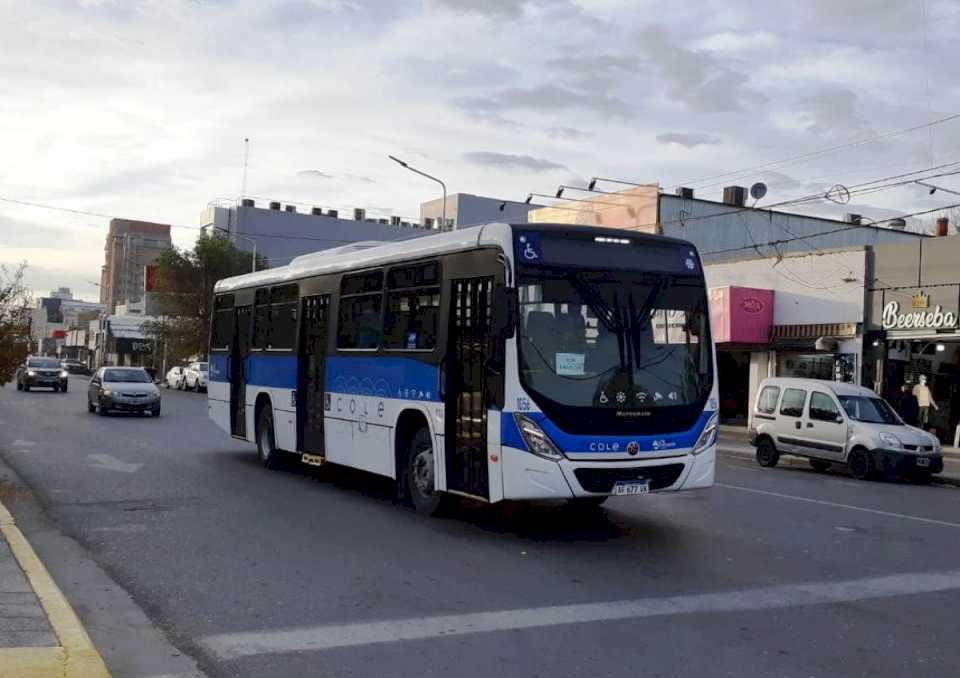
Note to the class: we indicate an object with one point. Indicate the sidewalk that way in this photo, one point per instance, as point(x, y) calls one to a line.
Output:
point(40, 635)
point(734, 441)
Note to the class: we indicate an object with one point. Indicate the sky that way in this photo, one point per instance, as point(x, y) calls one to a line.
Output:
point(139, 109)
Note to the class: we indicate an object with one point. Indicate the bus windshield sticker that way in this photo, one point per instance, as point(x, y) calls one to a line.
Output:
point(570, 364)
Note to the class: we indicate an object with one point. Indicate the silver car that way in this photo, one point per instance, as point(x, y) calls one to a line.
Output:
point(123, 389)
point(834, 423)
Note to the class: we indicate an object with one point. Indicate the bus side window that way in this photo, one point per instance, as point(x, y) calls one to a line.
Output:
point(360, 323)
point(411, 318)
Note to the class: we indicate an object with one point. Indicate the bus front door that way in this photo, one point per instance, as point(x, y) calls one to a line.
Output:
point(466, 398)
point(239, 350)
point(313, 347)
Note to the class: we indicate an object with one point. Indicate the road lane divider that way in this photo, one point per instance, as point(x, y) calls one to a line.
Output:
point(833, 504)
point(231, 646)
point(76, 656)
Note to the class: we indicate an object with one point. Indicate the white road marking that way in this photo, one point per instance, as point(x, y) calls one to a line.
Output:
point(111, 463)
point(822, 502)
point(23, 443)
point(234, 645)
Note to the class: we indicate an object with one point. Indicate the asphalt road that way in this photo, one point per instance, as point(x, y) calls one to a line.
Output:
point(779, 572)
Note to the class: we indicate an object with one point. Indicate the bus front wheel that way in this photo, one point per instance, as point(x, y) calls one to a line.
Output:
point(267, 439)
point(419, 474)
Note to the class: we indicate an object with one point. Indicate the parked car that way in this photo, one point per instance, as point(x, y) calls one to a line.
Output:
point(41, 372)
point(195, 377)
point(75, 366)
point(174, 378)
point(834, 423)
point(126, 389)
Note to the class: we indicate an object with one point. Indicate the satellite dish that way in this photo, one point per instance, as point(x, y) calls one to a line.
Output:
point(758, 190)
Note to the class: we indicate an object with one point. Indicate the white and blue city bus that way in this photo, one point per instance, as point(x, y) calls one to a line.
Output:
point(500, 362)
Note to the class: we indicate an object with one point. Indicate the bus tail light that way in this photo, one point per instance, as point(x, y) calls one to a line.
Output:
point(537, 441)
point(709, 435)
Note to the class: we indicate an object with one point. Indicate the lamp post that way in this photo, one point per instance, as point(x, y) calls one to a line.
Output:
point(934, 189)
point(443, 217)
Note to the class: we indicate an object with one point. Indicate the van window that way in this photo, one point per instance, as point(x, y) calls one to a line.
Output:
point(767, 402)
point(793, 401)
point(822, 407)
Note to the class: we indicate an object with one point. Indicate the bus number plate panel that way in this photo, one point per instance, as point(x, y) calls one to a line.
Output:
point(625, 487)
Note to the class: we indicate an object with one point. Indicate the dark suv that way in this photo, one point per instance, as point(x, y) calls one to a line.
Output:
point(45, 372)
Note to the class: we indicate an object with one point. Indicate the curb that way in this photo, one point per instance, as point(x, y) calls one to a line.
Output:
point(940, 479)
point(76, 657)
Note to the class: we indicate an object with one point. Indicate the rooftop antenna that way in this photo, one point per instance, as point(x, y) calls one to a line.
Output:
point(246, 158)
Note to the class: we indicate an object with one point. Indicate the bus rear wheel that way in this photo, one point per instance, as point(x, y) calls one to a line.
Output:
point(419, 474)
point(267, 439)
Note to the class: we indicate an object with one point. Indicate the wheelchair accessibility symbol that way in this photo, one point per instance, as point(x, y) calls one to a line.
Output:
point(528, 248)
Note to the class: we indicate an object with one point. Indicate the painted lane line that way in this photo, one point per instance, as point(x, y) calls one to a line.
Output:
point(235, 645)
point(822, 502)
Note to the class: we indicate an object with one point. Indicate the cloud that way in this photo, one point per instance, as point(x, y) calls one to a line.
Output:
point(546, 99)
point(489, 8)
point(832, 112)
point(358, 177)
point(569, 133)
point(511, 161)
point(688, 139)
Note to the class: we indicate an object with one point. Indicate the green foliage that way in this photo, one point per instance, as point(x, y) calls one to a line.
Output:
point(184, 289)
point(14, 321)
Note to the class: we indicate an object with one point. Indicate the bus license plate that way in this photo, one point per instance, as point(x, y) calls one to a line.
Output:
point(923, 461)
point(631, 487)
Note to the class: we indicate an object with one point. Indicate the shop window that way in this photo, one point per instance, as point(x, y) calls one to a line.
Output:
point(767, 403)
point(822, 407)
point(793, 402)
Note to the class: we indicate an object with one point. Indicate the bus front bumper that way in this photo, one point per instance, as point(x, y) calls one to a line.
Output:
point(528, 476)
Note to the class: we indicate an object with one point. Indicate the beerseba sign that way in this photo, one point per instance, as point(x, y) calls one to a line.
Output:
point(936, 319)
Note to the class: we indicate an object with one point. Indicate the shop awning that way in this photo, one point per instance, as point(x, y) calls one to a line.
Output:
point(815, 331)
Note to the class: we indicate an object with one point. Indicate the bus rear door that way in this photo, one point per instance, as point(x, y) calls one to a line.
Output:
point(313, 346)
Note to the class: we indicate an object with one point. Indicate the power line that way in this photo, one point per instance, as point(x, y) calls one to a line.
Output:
point(783, 241)
point(817, 153)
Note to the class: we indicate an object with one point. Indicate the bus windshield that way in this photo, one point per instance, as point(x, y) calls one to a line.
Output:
point(626, 341)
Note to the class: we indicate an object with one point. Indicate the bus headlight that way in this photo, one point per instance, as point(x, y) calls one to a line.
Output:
point(537, 441)
point(709, 435)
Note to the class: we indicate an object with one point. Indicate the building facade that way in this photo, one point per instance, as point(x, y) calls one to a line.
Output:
point(54, 317)
point(130, 247)
point(464, 210)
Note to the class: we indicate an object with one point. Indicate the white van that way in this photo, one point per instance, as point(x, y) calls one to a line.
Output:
point(834, 423)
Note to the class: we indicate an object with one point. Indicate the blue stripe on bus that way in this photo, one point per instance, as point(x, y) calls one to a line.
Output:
point(510, 435)
point(218, 366)
point(383, 377)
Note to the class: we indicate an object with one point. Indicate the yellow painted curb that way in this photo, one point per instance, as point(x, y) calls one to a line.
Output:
point(77, 657)
point(31, 662)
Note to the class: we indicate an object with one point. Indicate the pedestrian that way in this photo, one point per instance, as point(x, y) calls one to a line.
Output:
point(907, 406)
point(924, 401)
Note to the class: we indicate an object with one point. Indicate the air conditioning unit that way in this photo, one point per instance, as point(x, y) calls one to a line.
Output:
point(274, 205)
point(735, 196)
point(316, 211)
point(394, 221)
point(428, 222)
point(685, 192)
point(290, 208)
point(852, 218)
point(333, 213)
point(359, 214)
point(248, 202)
point(383, 222)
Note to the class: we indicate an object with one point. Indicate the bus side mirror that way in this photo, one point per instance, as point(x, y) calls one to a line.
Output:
point(503, 318)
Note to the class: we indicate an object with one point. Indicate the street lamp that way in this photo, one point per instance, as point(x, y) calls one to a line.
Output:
point(253, 260)
point(443, 216)
point(594, 180)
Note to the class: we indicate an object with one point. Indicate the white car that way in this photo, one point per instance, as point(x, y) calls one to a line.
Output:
point(830, 422)
point(174, 378)
point(195, 377)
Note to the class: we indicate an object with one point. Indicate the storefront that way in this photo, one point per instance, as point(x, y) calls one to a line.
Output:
point(914, 337)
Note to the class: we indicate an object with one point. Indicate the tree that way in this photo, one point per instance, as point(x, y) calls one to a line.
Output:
point(184, 289)
point(14, 321)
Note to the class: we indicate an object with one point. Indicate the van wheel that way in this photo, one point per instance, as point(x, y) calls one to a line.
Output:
point(819, 465)
point(419, 474)
point(767, 455)
point(861, 466)
point(267, 439)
